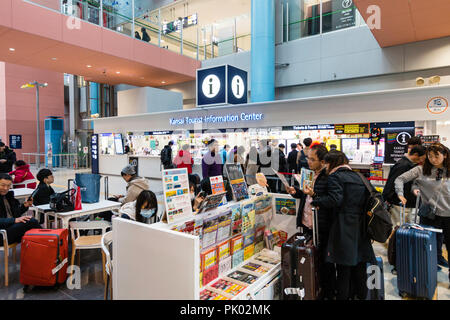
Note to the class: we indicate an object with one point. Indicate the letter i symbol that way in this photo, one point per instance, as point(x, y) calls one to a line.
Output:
point(237, 86)
point(210, 86)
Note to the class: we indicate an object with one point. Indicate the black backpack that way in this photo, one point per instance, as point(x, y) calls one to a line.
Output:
point(165, 156)
point(378, 219)
point(61, 202)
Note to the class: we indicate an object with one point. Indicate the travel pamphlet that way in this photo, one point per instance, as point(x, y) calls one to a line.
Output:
point(176, 194)
point(217, 186)
point(237, 181)
point(305, 177)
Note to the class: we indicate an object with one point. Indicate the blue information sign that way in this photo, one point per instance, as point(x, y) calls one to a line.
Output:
point(94, 153)
point(15, 141)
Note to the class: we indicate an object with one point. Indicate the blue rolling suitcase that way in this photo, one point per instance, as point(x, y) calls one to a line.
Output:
point(416, 260)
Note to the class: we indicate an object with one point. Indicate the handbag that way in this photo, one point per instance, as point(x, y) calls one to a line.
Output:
point(428, 211)
point(61, 202)
point(378, 220)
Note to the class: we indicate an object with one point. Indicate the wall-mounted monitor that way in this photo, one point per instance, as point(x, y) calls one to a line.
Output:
point(118, 143)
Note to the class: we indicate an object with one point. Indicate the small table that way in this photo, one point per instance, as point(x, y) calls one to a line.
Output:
point(22, 193)
point(87, 209)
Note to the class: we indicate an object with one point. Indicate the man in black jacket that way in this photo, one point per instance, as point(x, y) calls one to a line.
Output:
point(416, 156)
point(327, 272)
point(166, 156)
point(7, 158)
point(282, 165)
point(11, 212)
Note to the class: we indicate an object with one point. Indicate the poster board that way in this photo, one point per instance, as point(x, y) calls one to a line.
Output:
point(176, 194)
point(237, 181)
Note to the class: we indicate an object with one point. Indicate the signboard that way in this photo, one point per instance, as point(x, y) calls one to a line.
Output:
point(94, 153)
point(176, 25)
point(211, 86)
point(176, 194)
point(221, 85)
point(343, 14)
point(310, 127)
point(134, 161)
point(396, 143)
point(237, 85)
point(355, 128)
point(430, 139)
point(437, 105)
point(15, 141)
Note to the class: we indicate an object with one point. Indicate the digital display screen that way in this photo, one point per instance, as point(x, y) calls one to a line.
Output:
point(118, 143)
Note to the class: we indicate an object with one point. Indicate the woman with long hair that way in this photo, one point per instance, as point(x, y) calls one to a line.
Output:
point(432, 183)
point(349, 246)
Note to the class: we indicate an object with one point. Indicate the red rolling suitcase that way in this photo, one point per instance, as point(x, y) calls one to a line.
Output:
point(44, 257)
point(300, 266)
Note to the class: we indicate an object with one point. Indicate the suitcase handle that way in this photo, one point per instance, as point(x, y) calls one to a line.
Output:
point(315, 225)
point(106, 181)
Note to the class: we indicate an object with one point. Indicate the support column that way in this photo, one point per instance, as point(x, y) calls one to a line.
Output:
point(263, 51)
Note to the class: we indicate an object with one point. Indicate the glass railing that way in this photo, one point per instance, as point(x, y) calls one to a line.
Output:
point(194, 41)
point(311, 17)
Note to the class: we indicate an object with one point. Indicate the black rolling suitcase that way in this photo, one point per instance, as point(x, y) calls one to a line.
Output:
point(300, 266)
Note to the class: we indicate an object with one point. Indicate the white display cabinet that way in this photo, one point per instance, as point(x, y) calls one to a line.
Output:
point(153, 262)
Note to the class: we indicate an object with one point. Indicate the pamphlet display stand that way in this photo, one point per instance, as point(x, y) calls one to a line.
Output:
point(165, 264)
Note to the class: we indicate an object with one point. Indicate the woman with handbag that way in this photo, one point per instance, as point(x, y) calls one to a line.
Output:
point(349, 246)
point(432, 183)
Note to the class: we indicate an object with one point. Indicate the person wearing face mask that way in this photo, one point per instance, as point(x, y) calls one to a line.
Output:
point(196, 200)
point(142, 209)
point(432, 183)
point(327, 271)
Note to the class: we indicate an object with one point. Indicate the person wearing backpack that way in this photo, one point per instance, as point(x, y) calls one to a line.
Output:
point(433, 184)
point(349, 246)
point(415, 157)
point(166, 156)
point(302, 156)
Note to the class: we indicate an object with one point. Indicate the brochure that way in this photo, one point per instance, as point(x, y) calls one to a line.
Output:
point(305, 177)
point(237, 181)
point(282, 178)
point(217, 186)
point(176, 194)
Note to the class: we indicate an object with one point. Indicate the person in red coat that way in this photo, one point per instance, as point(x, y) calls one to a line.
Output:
point(184, 159)
point(23, 174)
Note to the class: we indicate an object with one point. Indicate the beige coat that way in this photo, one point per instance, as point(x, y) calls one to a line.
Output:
point(134, 188)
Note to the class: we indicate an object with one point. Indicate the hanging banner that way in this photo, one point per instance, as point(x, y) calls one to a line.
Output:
point(396, 143)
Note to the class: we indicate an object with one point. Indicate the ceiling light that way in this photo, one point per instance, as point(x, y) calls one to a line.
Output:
point(89, 66)
point(12, 49)
point(142, 78)
point(163, 82)
point(117, 72)
point(54, 59)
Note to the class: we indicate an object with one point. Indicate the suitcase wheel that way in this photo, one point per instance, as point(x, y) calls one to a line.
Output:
point(27, 289)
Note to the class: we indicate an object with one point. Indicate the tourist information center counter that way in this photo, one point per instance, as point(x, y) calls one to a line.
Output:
point(348, 121)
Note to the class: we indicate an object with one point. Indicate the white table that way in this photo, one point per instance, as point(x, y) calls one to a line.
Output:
point(22, 193)
point(87, 209)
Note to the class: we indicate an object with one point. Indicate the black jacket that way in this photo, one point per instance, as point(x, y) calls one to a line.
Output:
point(292, 161)
point(403, 165)
point(16, 208)
point(167, 159)
point(348, 242)
point(42, 194)
point(10, 157)
point(325, 215)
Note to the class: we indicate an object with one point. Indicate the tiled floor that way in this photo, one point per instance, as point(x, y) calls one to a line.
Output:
point(92, 287)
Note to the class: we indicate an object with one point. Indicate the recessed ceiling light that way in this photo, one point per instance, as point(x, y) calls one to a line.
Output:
point(12, 49)
point(89, 66)
point(117, 72)
point(142, 78)
point(163, 82)
point(54, 59)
